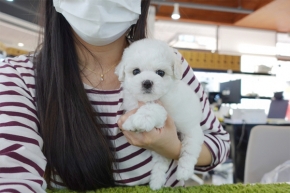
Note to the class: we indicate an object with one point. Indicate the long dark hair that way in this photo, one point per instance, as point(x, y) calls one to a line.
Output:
point(75, 147)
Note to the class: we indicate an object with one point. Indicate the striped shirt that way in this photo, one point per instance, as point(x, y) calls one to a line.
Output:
point(22, 162)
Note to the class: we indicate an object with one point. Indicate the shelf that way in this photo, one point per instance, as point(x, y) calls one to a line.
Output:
point(231, 72)
point(257, 97)
point(283, 58)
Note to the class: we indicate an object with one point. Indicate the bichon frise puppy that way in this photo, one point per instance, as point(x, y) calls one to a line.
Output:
point(150, 71)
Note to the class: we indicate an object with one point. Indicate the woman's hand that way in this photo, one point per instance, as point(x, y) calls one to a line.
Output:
point(163, 141)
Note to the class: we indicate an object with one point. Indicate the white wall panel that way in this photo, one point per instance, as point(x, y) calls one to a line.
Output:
point(245, 40)
point(167, 30)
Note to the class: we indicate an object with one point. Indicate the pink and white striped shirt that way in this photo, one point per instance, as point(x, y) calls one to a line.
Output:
point(22, 162)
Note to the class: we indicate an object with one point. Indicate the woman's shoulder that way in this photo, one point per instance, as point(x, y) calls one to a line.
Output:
point(18, 71)
point(18, 63)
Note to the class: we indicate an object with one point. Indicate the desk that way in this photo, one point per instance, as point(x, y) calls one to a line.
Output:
point(239, 134)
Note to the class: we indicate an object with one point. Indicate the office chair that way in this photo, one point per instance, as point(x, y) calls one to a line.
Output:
point(268, 147)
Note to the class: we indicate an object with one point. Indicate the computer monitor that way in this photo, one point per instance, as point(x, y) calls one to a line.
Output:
point(278, 109)
point(231, 91)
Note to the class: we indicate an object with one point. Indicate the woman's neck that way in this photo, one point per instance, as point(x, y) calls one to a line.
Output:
point(107, 55)
point(97, 63)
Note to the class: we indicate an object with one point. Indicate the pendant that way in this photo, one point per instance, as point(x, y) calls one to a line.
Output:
point(102, 77)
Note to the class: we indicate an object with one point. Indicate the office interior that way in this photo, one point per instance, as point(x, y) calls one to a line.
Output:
point(240, 53)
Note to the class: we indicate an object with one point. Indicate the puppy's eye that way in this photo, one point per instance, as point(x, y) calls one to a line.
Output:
point(160, 73)
point(136, 71)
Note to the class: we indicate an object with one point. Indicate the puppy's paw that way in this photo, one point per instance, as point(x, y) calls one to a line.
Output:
point(157, 182)
point(185, 169)
point(155, 185)
point(143, 122)
point(183, 174)
point(155, 114)
point(160, 116)
point(127, 125)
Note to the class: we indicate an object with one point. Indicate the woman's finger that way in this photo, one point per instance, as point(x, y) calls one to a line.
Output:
point(140, 103)
point(141, 139)
point(159, 102)
point(133, 138)
point(124, 117)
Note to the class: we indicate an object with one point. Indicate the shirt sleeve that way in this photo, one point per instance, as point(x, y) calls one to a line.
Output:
point(216, 138)
point(22, 162)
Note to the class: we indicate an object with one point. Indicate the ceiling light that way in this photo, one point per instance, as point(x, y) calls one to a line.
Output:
point(20, 44)
point(175, 15)
point(9, 0)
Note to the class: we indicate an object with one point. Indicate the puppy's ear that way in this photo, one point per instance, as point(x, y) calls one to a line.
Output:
point(120, 71)
point(177, 66)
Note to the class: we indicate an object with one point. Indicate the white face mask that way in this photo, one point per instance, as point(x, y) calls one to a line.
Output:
point(99, 22)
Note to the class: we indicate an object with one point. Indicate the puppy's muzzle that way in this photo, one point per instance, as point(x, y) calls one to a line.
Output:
point(147, 84)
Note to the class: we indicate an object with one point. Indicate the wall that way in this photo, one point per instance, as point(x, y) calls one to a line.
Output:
point(260, 51)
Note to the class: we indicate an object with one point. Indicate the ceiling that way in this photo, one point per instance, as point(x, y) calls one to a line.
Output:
point(208, 14)
point(18, 23)
point(264, 14)
point(23, 9)
point(11, 35)
point(261, 14)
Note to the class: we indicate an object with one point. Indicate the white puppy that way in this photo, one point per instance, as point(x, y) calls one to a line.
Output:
point(150, 71)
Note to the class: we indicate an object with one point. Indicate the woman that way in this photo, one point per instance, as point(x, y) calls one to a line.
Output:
point(61, 114)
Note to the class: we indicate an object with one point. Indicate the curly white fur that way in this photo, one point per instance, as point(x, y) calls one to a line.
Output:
point(178, 99)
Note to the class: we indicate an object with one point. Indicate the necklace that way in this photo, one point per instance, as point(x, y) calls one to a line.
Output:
point(102, 74)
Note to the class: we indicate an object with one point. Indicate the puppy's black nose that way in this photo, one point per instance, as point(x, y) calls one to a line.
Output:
point(147, 84)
